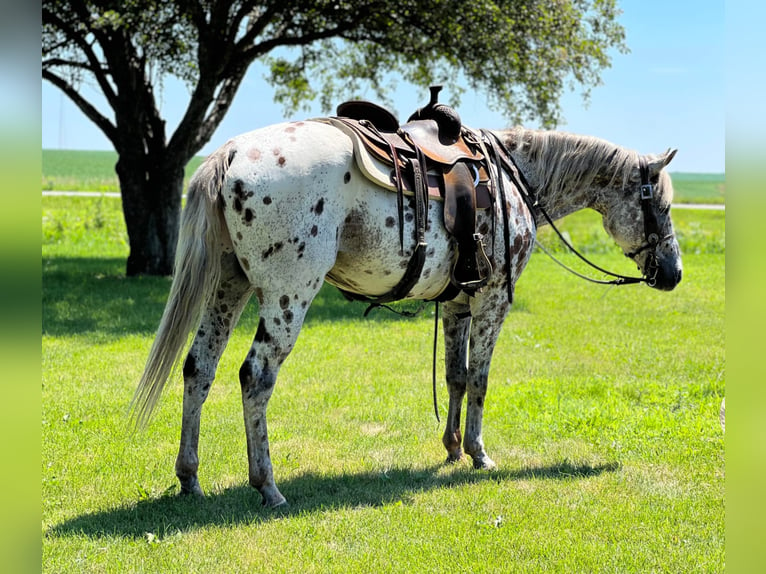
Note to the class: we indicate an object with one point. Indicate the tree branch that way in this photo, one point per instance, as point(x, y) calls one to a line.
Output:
point(110, 131)
point(221, 105)
point(95, 67)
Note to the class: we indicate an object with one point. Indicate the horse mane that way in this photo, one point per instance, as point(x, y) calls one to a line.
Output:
point(566, 160)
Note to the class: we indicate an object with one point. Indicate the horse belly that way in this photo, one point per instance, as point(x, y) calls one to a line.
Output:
point(370, 260)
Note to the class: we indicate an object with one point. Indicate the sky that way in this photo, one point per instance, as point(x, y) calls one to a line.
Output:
point(669, 91)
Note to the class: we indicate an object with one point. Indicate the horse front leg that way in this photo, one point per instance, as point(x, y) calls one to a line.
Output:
point(456, 327)
point(218, 320)
point(485, 328)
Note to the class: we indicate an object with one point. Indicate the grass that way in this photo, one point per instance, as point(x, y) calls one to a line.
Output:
point(94, 171)
point(601, 413)
point(74, 170)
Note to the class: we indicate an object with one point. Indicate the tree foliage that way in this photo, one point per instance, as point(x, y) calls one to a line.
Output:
point(521, 53)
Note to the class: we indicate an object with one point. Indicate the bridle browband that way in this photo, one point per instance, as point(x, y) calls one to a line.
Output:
point(651, 226)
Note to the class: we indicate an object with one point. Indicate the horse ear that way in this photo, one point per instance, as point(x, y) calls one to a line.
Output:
point(662, 160)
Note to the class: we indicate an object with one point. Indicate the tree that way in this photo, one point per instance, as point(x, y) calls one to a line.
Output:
point(521, 53)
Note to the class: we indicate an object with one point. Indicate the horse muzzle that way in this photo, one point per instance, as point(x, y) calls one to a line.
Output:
point(663, 271)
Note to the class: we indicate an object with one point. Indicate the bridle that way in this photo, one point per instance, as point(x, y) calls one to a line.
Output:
point(651, 226)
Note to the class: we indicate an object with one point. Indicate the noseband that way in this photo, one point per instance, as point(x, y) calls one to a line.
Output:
point(651, 226)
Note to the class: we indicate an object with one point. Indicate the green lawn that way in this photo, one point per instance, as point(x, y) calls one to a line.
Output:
point(602, 414)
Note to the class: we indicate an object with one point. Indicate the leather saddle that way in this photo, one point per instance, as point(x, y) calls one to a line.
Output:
point(431, 156)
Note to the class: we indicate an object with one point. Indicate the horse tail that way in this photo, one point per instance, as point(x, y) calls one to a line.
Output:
point(196, 275)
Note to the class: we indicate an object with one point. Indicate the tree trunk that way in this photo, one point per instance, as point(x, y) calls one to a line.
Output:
point(151, 202)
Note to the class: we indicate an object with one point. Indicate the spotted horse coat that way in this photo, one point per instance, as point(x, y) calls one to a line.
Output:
point(278, 211)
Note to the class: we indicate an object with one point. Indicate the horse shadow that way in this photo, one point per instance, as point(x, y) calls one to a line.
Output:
point(169, 513)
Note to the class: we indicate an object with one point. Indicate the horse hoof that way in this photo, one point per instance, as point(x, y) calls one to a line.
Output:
point(454, 458)
point(273, 504)
point(272, 498)
point(484, 463)
point(191, 488)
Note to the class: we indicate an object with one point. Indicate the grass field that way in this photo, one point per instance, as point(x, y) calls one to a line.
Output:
point(602, 414)
point(94, 171)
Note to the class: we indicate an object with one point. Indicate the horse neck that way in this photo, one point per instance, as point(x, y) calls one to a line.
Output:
point(567, 172)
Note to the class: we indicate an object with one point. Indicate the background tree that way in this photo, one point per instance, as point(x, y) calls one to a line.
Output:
point(521, 53)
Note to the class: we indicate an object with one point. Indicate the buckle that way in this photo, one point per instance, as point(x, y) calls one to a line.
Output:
point(647, 190)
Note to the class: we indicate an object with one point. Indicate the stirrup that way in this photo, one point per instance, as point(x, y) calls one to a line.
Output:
point(474, 284)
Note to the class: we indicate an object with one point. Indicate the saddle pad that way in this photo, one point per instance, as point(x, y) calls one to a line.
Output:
point(381, 174)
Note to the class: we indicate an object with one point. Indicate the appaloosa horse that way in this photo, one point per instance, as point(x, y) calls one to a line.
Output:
point(278, 211)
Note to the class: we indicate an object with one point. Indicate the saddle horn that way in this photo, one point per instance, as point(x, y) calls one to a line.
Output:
point(445, 117)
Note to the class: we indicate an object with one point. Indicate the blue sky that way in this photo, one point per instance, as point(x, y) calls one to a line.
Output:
point(669, 91)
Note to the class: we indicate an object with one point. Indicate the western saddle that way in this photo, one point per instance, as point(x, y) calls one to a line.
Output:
point(432, 156)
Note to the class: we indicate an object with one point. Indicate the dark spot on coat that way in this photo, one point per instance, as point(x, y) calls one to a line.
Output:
point(314, 230)
point(276, 151)
point(408, 216)
point(265, 254)
point(281, 161)
point(267, 200)
point(237, 205)
point(245, 374)
point(319, 207)
point(239, 190)
point(239, 235)
point(245, 264)
point(262, 335)
point(288, 315)
point(290, 129)
point(249, 215)
point(347, 177)
point(277, 321)
point(254, 154)
point(390, 221)
point(190, 366)
point(221, 294)
point(284, 301)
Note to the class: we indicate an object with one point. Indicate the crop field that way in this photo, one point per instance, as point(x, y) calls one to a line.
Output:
point(602, 414)
point(94, 171)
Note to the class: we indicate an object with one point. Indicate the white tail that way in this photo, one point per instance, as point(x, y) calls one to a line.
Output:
point(195, 277)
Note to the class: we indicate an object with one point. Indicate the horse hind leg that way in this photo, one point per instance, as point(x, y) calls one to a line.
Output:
point(281, 317)
point(218, 320)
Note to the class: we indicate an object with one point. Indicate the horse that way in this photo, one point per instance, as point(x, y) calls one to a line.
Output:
point(278, 211)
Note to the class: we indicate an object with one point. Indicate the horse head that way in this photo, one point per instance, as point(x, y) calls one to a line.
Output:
point(639, 221)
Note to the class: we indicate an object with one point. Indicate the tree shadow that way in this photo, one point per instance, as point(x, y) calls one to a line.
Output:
point(307, 493)
point(93, 295)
